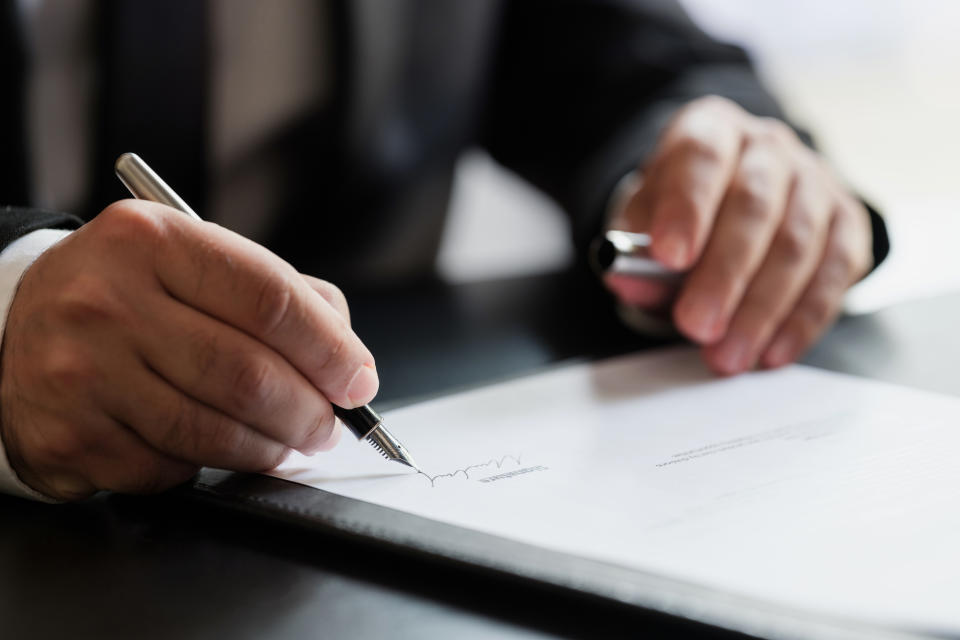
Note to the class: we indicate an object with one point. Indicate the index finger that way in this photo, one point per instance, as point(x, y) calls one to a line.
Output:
point(687, 179)
point(243, 284)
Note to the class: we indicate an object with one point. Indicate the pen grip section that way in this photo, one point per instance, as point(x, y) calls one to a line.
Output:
point(360, 421)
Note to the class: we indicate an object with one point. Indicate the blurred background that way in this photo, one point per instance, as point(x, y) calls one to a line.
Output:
point(878, 84)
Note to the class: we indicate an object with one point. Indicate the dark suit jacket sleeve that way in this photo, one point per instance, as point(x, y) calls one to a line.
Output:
point(16, 222)
point(582, 88)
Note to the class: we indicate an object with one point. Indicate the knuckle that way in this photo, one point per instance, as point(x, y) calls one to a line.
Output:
point(206, 353)
point(332, 294)
point(718, 103)
point(335, 349)
point(750, 195)
point(69, 369)
point(201, 437)
point(86, 301)
point(253, 383)
point(776, 131)
point(127, 220)
point(223, 437)
point(273, 305)
point(751, 186)
point(337, 298)
point(690, 146)
point(331, 291)
point(793, 241)
point(179, 429)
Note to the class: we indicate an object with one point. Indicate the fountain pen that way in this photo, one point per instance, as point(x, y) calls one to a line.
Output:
point(363, 422)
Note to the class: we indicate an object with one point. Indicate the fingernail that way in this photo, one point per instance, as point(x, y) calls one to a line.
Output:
point(672, 250)
point(782, 351)
point(363, 386)
point(734, 356)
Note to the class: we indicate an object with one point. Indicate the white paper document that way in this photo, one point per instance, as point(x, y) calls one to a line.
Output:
point(799, 487)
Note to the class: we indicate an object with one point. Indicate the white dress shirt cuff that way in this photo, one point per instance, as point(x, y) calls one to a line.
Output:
point(14, 261)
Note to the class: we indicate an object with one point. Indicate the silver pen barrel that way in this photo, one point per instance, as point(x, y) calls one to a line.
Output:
point(145, 184)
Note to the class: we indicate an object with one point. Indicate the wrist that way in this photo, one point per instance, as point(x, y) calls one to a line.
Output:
point(15, 259)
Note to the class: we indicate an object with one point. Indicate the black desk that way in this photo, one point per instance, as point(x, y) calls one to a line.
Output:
point(168, 566)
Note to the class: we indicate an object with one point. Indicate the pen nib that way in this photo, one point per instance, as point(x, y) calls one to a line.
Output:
point(389, 447)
